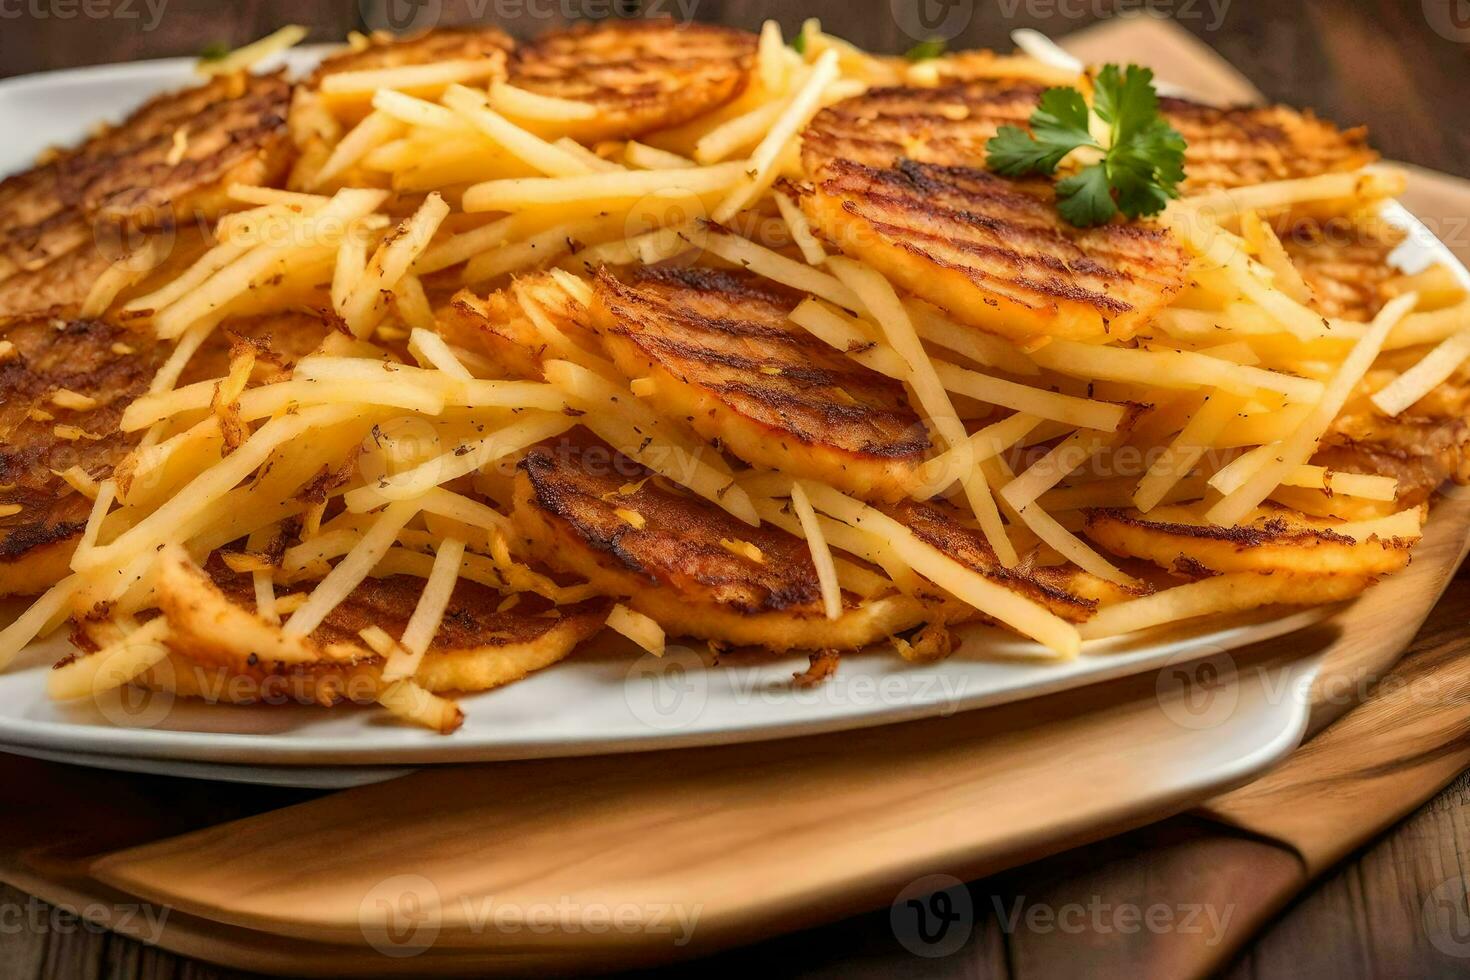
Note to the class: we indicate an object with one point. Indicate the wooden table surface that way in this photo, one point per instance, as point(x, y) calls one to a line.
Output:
point(1400, 66)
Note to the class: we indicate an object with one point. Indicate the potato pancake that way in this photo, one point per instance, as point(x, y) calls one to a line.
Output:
point(641, 75)
point(950, 125)
point(1275, 540)
point(63, 390)
point(107, 367)
point(222, 648)
point(1344, 261)
point(722, 353)
point(1243, 145)
point(1066, 590)
point(499, 328)
point(993, 251)
point(167, 165)
point(584, 509)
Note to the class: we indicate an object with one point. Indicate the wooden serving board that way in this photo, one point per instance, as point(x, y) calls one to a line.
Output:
point(460, 866)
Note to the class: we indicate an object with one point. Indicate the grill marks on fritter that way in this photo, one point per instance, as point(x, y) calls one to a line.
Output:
point(991, 250)
point(947, 126)
point(472, 620)
point(112, 365)
point(1243, 145)
point(725, 356)
point(1345, 263)
point(1066, 591)
point(575, 488)
point(641, 75)
point(1230, 147)
point(64, 221)
point(80, 356)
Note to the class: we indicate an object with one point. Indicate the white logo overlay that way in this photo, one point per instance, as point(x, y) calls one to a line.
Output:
point(667, 693)
point(401, 916)
point(933, 916)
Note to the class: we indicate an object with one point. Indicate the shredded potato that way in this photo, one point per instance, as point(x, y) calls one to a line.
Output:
point(453, 230)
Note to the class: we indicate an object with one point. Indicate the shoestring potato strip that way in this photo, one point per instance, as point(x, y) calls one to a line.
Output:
point(451, 177)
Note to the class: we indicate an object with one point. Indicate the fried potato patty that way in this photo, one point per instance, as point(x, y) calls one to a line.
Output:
point(583, 509)
point(950, 125)
point(993, 251)
point(1065, 590)
point(107, 366)
point(166, 165)
point(498, 327)
point(63, 389)
point(723, 354)
point(1344, 261)
point(223, 649)
point(1275, 540)
point(641, 75)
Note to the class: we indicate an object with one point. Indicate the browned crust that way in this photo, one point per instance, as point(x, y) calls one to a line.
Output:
point(52, 355)
point(1287, 542)
point(729, 359)
point(61, 222)
point(994, 251)
point(83, 356)
point(950, 124)
point(1068, 592)
point(1242, 145)
point(642, 75)
point(678, 548)
point(212, 617)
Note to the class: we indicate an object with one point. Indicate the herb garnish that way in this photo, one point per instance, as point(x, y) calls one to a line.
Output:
point(1142, 163)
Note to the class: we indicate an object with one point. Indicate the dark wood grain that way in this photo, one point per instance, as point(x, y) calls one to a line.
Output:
point(1378, 62)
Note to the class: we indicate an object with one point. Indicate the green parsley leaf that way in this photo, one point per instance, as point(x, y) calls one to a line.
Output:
point(1085, 199)
point(1058, 126)
point(1143, 161)
point(214, 51)
point(926, 50)
point(798, 43)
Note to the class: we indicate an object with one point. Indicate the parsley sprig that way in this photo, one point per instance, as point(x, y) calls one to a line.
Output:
point(1142, 163)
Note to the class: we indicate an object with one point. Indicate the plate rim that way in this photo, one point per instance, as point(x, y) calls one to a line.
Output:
point(291, 749)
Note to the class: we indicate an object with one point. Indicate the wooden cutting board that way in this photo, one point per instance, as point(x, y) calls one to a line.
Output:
point(458, 865)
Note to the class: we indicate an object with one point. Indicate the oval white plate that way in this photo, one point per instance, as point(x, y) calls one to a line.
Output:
point(604, 699)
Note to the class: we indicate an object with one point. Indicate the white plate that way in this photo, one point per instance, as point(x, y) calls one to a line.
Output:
point(602, 700)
